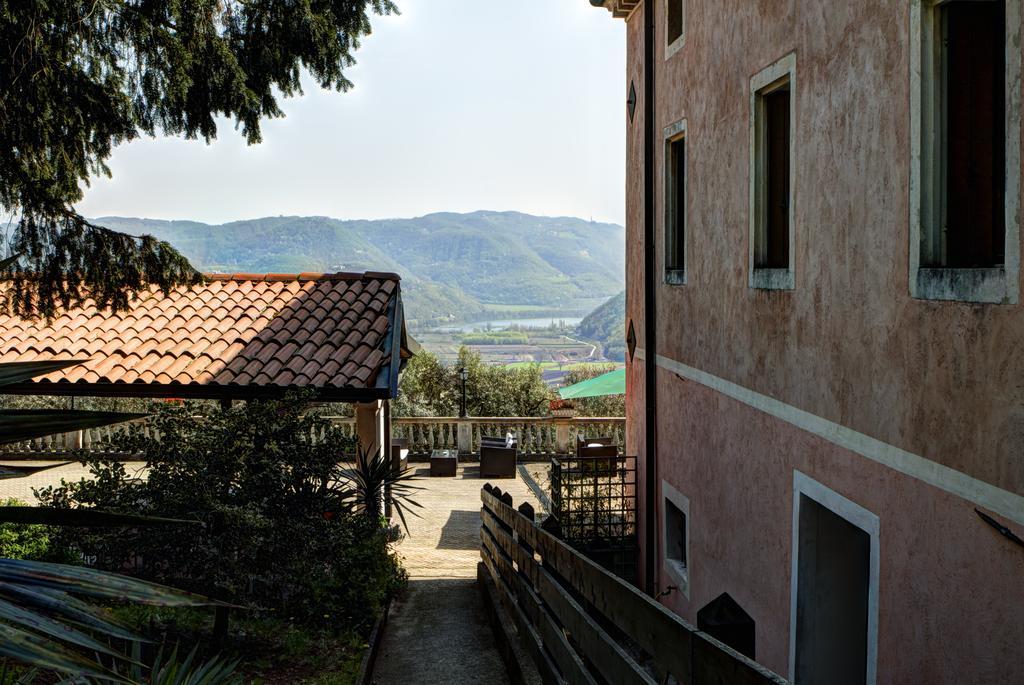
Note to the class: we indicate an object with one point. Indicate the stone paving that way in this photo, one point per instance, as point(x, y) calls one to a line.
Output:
point(438, 632)
point(445, 541)
point(21, 488)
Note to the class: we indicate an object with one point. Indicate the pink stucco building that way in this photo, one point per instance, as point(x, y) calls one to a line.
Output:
point(826, 376)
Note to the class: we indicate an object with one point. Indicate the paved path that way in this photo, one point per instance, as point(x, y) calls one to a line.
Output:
point(21, 488)
point(438, 632)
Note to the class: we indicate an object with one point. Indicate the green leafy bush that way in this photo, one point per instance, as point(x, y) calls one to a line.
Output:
point(23, 541)
point(265, 482)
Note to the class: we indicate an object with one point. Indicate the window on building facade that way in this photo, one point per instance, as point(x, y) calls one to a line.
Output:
point(771, 235)
point(675, 26)
point(675, 204)
point(676, 532)
point(963, 67)
point(973, 144)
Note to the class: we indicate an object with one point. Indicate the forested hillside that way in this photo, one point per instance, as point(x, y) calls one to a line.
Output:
point(452, 265)
point(607, 325)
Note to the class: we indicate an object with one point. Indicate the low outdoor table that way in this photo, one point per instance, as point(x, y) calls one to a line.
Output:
point(444, 462)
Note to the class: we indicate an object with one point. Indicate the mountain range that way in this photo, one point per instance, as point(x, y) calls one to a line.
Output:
point(454, 267)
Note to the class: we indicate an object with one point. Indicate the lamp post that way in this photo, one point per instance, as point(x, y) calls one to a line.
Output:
point(464, 376)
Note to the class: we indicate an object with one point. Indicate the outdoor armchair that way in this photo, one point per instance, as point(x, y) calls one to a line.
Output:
point(497, 460)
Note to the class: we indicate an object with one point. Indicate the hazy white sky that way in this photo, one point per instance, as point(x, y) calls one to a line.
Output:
point(458, 105)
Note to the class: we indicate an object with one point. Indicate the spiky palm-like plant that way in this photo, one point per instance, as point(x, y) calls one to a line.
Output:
point(372, 480)
point(46, 620)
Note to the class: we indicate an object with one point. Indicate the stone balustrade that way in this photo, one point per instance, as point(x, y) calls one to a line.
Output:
point(536, 436)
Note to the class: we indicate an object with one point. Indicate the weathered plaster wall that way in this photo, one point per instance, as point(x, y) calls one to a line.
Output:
point(950, 608)
point(938, 379)
point(635, 423)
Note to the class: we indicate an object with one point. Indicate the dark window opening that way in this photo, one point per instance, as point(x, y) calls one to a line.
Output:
point(832, 600)
point(675, 230)
point(675, 20)
point(973, 58)
point(675, 534)
point(775, 254)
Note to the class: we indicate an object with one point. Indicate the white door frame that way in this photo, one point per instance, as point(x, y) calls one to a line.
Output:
point(859, 517)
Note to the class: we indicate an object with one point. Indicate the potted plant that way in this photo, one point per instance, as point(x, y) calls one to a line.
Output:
point(562, 408)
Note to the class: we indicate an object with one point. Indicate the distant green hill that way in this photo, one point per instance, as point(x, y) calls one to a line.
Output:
point(452, 265)
point(607, 325)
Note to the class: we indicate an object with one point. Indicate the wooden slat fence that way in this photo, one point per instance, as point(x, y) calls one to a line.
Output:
point(582, 624)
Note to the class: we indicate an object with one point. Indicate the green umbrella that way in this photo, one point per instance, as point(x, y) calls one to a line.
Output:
point(612, 383)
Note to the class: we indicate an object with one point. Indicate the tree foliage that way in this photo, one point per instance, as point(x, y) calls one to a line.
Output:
point(21, 541)
point(609, 405)
point(431, 388)
point(275, 505)
point(78, 77)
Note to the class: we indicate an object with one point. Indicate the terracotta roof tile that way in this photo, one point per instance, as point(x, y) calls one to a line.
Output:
point(271, 330)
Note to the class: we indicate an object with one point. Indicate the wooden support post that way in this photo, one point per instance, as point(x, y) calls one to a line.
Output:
point(389, 456)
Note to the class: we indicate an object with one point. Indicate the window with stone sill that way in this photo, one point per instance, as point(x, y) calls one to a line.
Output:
point(675, 26)
point(772, 146)
point(965, 138)
point(675, 204)
point(676, 533)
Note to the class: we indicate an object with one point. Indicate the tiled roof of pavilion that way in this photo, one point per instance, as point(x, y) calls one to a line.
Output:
point(236, 336)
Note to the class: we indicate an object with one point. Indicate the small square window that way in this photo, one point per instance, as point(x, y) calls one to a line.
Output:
point(675, 204)
point(675, 534)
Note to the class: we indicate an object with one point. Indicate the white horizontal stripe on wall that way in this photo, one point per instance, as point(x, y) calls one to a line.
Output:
point(997, 500)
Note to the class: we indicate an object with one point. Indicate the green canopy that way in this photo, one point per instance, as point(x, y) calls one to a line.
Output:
point(612, 383)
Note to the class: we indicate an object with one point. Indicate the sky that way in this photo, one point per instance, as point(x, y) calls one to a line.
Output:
point(458, 105)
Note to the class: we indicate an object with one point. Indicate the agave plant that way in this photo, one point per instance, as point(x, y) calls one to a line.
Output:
point(372, 480)
point(16, 676)
point(46, 623)
point(167, 670)
point(45, 620)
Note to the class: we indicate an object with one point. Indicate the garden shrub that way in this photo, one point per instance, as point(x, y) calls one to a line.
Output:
point(265, 483)
point(23, 541)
